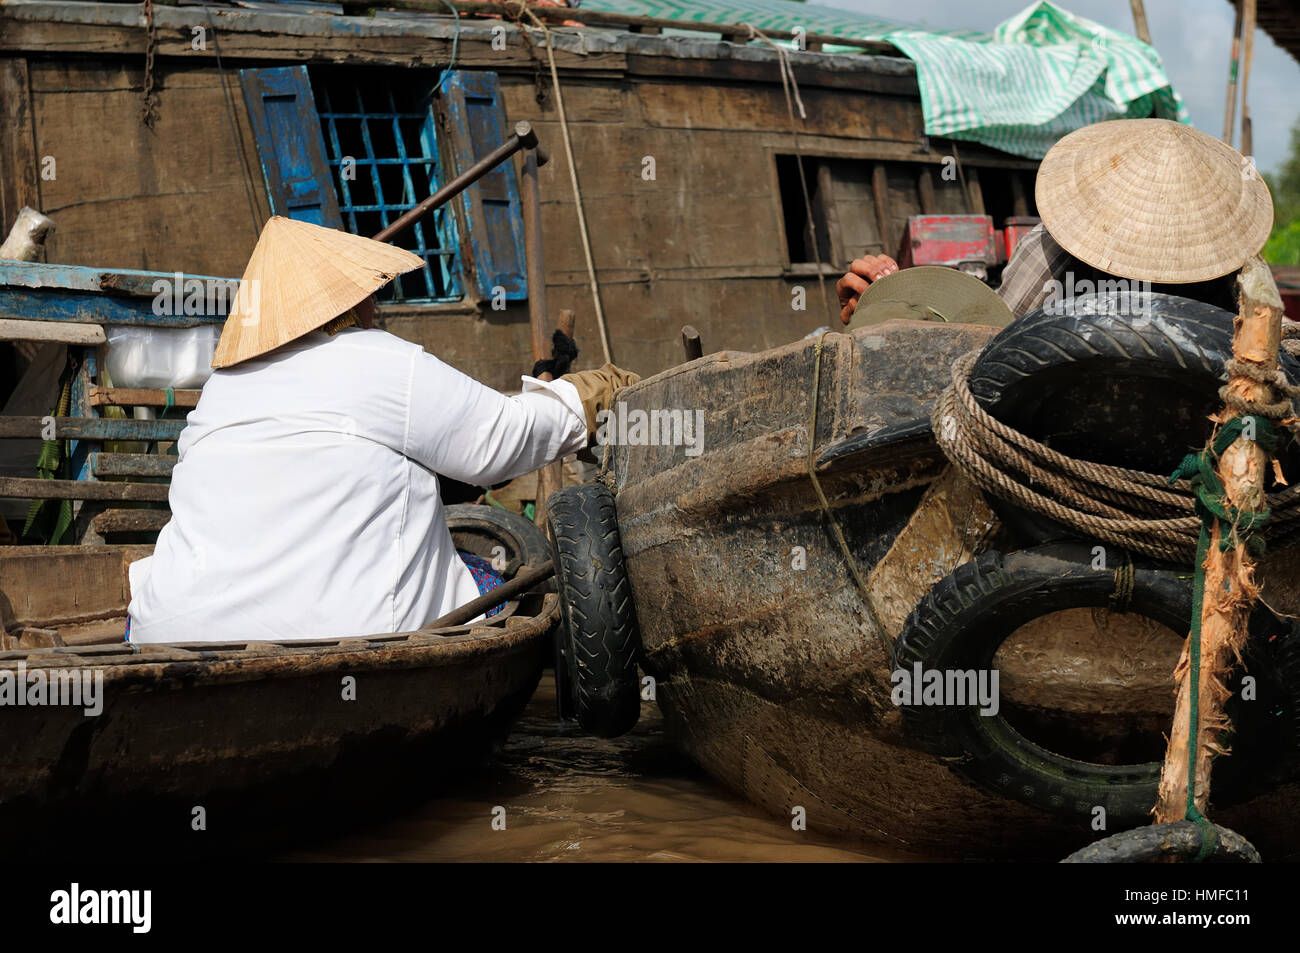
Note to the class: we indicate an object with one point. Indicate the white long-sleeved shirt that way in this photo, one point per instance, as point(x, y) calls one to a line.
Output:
point(305, 499)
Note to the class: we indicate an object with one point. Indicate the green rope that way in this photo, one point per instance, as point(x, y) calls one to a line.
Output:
point(1214, 509)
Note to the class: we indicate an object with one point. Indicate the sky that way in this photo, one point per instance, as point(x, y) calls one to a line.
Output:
point(1194, 38)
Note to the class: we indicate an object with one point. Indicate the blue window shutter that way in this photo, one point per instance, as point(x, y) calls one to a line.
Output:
point(476, 120)
point(287, 131)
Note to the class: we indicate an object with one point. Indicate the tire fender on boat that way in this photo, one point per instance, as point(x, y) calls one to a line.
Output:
point(598, 644)
point(965, 618)
point(1111, 379)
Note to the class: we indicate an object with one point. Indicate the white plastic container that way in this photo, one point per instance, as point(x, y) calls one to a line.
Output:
point(161, 357)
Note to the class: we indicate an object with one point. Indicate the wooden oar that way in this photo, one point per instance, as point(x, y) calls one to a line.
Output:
point(524, 580)
point(524, 138)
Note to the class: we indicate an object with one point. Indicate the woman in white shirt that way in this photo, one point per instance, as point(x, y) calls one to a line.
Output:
point(305, 499)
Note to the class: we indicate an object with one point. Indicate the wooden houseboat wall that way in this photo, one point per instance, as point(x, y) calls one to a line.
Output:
point(684, 146)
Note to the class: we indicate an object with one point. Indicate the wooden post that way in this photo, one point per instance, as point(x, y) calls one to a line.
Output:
point(880, 193)
point(1140, 21)
point(691, 342)
point(531, 201)
point(1019, 198)
point(1230, 590)
point(1248, 21)
point(551, 477)
point(1230, 109)
point(925, 191)
point(974, 193)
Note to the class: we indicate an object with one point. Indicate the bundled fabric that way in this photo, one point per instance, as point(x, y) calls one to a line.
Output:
point(1040, 75)
point(1044, 73)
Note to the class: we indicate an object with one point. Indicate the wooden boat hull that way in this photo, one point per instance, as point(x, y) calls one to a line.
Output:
point(261, 727)
point(768, 668)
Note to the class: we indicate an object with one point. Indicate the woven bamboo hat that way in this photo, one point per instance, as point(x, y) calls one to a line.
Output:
point(1153, 200)
point(300, 278)
point(931, 293)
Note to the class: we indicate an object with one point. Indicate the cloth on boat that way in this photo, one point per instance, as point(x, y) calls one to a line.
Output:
point(485, 577)
point(305, 499)
point(1036, 262)
point(1039, 75)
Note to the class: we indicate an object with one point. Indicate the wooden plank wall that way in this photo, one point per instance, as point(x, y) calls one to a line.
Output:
point(125, 196)
point(702, 242)
point(18, 158)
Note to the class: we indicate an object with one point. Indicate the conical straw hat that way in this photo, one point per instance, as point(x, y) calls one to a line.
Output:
point(1153, 200)
point(931, 293)
point(300, 278)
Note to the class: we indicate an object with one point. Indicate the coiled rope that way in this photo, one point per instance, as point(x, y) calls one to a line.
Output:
point(1138, 511)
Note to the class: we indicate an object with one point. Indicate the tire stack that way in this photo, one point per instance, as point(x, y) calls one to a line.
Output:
point(1099, 380)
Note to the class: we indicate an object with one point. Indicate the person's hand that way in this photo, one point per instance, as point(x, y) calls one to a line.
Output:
point(598, 388)
point(862, 273)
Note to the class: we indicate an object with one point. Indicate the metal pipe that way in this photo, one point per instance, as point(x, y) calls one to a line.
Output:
point(524, 138)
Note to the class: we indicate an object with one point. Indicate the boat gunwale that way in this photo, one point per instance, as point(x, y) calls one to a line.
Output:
point(244, 661)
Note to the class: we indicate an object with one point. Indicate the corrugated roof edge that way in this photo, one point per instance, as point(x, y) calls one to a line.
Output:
point(572, 40)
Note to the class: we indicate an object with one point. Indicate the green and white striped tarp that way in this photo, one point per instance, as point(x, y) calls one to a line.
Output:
point(1041, 74)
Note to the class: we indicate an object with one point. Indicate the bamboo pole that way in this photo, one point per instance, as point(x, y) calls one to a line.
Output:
point(1234, 64)
point(1140, 21)
point(1247, 58)
point(1230, 590)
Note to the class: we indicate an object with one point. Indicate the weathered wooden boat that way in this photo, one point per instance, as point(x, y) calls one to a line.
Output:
point(250, 730)
point(775, 674)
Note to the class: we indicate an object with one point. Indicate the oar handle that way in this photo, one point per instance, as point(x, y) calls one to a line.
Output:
point(524, 580)
point(524, 138)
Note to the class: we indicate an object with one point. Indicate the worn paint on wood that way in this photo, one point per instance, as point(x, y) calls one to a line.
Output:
point(287, 130)
point(475, 120)
point(92, 428)
point(769, 670)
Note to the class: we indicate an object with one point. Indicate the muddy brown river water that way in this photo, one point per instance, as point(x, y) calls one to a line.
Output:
point(570, 797)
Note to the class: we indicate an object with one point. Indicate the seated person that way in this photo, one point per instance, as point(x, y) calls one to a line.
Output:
point(1140, 200)
point(305, 501)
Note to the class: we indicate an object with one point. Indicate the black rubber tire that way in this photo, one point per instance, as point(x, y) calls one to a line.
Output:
point(1094, 382)
point(1180, 840)
point(479, 529)
point(598, 644)
point(962, 621)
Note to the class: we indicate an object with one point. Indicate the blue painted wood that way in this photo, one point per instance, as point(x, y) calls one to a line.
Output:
point(92, 308)
point(287, 131)
point(93, 428)
point(477, 120)
point(117, 281)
